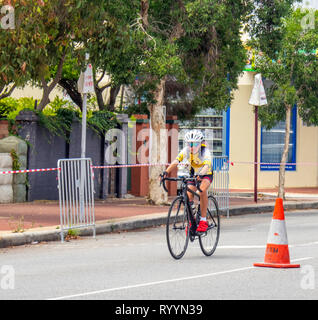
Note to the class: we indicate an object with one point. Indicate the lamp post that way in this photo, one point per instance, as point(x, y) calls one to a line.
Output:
point(258, 98)
point(255, 154)
point(85, 86)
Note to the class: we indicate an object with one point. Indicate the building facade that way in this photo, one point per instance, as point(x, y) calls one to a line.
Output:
point(234, 137)
point(232, 134)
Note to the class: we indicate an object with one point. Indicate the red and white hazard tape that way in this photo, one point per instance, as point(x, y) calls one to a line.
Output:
point(93, 167)
point(131, 165)
point(274, 164)
point(28, 170)
point(232, 163)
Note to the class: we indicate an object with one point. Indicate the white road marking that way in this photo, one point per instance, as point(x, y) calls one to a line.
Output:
point(241, 247)
point(262, 246)
point(162, 282)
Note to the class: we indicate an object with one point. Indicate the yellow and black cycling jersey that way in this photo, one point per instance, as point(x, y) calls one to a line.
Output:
point(197, 160)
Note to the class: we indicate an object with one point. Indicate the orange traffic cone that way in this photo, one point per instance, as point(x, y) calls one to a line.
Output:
point(277, 252)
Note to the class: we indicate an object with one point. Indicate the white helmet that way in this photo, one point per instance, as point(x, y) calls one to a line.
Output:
point(194, 136)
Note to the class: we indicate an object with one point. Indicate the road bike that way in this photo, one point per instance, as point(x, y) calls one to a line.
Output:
point(182, 220)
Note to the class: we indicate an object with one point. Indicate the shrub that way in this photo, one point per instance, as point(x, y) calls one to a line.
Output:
point(59, 114)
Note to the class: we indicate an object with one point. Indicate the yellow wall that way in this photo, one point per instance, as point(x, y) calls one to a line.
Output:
point(242, 135)
point(36, 93)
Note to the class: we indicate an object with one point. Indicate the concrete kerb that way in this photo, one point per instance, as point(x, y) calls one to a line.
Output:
point(132, 223)
point(262, 208)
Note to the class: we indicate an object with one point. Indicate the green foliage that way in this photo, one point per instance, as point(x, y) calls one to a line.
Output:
point(294, 74)
point(190, 40)
point(141, 108)
point(15, 160)
point(58, 103)
point(7, 105)
point(101, 121)
point(266, 24)
point(58, 116)
point(10, 107)
point(46, 33)
point(71, 68)
point(59, 124)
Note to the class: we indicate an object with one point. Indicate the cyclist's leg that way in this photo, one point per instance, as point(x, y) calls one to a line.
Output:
point(193, 188)
point(191, 185)
point(204, 186)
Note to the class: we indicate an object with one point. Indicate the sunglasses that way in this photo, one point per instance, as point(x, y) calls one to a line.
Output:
point(194, 144)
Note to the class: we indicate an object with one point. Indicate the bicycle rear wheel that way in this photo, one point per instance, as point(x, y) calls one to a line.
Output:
point(177, 230)
point(209, 240)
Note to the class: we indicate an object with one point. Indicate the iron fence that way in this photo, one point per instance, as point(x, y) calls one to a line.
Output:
point(220, 186)
point(76, 194)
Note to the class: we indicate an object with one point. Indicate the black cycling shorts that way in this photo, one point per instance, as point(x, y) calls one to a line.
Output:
point(207, 176)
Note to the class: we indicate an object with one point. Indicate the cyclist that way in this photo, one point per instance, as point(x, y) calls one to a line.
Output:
point(199, 158)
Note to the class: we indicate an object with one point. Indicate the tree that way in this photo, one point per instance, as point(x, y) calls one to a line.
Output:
point(17, 53)
point(45, 33)
point(295, 76)
point(266, 24)
point(191, 43)
point(62, 24)
point(113, 51)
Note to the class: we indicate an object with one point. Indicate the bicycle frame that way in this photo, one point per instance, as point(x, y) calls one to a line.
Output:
point(189, 218)
point(185, 189)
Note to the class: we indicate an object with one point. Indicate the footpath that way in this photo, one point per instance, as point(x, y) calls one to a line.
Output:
point(39, 221)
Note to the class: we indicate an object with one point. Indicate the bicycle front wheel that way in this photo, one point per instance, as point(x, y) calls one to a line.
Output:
point(177, 230)
point(209, 240)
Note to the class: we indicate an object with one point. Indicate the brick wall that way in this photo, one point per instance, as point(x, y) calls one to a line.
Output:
point(4, 129)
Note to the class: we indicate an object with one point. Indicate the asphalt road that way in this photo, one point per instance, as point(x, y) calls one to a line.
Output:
point(138, 266)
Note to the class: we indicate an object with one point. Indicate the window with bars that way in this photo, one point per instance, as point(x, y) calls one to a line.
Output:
point(272, 145)
point(212, 125)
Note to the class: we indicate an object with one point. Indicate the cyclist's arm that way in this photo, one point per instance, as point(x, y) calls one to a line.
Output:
point(175, 163)
point(172, 166)
point(207, 164)
point(204, 170)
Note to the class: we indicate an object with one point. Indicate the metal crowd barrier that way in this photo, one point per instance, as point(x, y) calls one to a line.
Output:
point(220, 185)
point(76, 194)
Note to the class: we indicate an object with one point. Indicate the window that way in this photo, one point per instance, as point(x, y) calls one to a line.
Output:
point(213, 126)
point(272, 145)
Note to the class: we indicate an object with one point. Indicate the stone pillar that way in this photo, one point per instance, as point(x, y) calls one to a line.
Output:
point(122, 172)
point(140, 175)
point(172, 127)
point(13, 156)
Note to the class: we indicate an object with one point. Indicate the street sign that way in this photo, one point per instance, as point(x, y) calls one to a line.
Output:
point(258, 96)
point(85, 82)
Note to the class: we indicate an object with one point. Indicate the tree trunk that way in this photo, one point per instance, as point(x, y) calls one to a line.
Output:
point(112, 97)
point(158, 147)
point(5, 91)
point(99, 92)
point(281, 185)
point(45, 96)
point(71, 88)
point(47, 89)
point(99, 97)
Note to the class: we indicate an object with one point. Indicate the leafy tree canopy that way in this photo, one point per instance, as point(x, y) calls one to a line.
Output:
point(294, 74)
